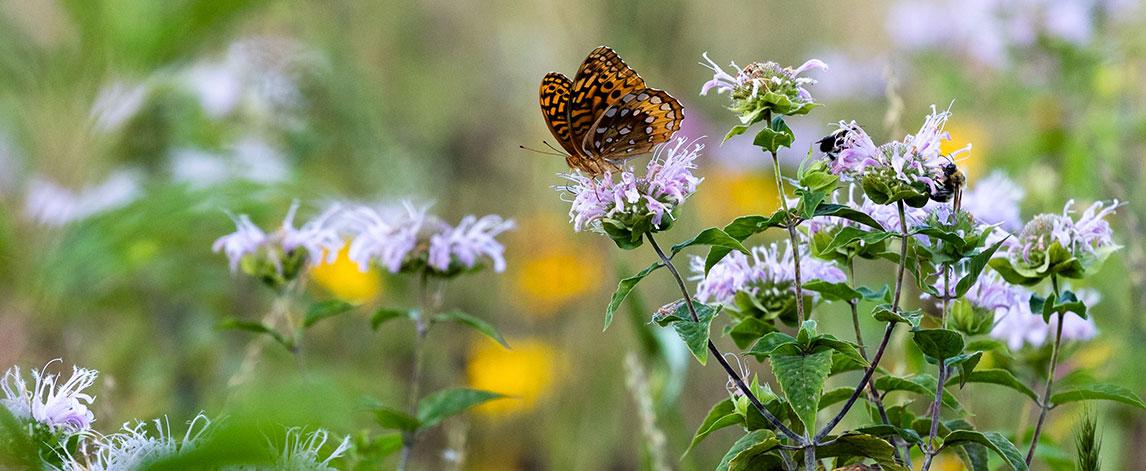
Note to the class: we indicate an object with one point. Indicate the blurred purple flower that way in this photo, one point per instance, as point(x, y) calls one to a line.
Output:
point(63, 406)
point(668, 181)
point(52, 205)
point(386, 235)
point(470, 240)
point(995, 200)
point(768, 269)
point(316, 237)
point(1017, 326)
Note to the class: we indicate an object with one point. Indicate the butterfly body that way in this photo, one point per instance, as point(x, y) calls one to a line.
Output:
point(606, 114)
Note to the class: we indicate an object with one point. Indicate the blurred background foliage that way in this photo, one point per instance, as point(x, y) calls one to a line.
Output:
point(129, 127)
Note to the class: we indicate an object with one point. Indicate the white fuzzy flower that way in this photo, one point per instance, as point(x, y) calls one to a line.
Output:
point(59, 406)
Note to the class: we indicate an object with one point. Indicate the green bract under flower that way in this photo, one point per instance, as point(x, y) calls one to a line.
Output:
point(762, 89)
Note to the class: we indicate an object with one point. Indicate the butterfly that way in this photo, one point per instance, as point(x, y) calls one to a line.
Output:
point(606, 114)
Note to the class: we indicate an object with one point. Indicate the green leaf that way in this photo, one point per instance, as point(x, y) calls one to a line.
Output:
point(849, 235)
point(1000, 377)
point(771, 138)
point(748, 330)
point(966, 363)
point(623, 289)
point(771, 343)
point(921, 384)
point(440, 405)
point(695, 334)
point(842, 211)
point(1097, 391)
point(322, 310)
point(1005, 269)
point(860, 444)
point(884, 313)
point(908, 435)
point(837, 395)
point(389, 418)
point(938, 343)
point(975, 268)
point(723, 414)
point(847, 349)
point(994, 441)
point(381, 316)
point(752, 445)
point(802, 379)
point(714, 237)
point(258, 328)
point(472, 322)
point(758, 115)
point(833, 291)
point(740, 229)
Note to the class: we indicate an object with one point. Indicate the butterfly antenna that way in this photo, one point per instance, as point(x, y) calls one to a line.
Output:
point(547, 144)
point(541, 151)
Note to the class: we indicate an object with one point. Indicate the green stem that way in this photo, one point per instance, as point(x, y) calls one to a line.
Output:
point(800, 313)
point(1044, 404)
point(426, 306)
point(936, 408)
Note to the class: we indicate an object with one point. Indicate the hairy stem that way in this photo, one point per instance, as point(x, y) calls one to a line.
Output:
point(886, 334)
point(936, 407)
point(800, 313)
point(426, 305)
point(810, 458)
point(720, 356)
point(1044, 403)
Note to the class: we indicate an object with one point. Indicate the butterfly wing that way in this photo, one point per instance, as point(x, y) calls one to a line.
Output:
point(634, 125)
point(602, 80)
point(555, 109)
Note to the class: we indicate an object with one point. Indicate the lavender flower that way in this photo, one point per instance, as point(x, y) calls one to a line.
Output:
point(387, 236)
point(768, 276)
point(53, 205)
point(58, 406)
point(280, 255)
point(470, 240)
point(640, 203)
point(1057, 243)
point(302, 451)
point(995, 200)
point(135, 445)
point(900, 170)
point(764, 86)
point(408, 239)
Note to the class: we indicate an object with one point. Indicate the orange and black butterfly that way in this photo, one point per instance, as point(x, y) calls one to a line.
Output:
point(606, 114)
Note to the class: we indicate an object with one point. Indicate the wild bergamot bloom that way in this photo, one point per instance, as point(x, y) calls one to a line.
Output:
point(526, 373)
point(764, 87)
point(136, 444)
point(628, 207)
point(407, 239)
point(60, 407)
point(305, 451)
point(1058, 244)
point(342, 278)
point(279, 257)
point(761, 285)
point(904, 170)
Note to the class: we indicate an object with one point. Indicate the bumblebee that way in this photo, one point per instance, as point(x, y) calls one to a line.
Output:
point(833, 143)
point(949, 185)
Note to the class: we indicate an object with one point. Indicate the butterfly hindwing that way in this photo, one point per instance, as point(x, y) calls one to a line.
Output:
point(602, 80)
point(634, 125)
point(555, 108)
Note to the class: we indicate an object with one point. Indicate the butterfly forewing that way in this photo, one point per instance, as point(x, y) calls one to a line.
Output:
point(555, 108)
point(600, 82)
point(634, 125)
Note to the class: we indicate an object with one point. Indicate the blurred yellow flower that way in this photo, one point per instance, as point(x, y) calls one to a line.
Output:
point(526, 373)
point(554, 272)
point(727, 194)
point(967, 132)
point(948, 462)
point(342, 279)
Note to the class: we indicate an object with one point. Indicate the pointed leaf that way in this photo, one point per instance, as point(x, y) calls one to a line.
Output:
point(256, 327)
point(996, 376)
point(389, 418)
point(849, 235)
point(994, 441)
point(714, 237)
point(755, 443)
point(1098, 391)
point(842, 211)
point(472, 322)
point(695, 334)
point(884, 313)
point(381, 316)
point(975, 267)
point(740, 229)
point(322, 310)
point(723, 414)
point(859, 444)
point(624, 287)
point(938, 343)
point(801, 378)
point(440, 405)
point(771, 343)
point(833, 291)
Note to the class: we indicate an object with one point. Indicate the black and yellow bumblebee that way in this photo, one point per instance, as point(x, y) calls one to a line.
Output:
point(949, 185)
